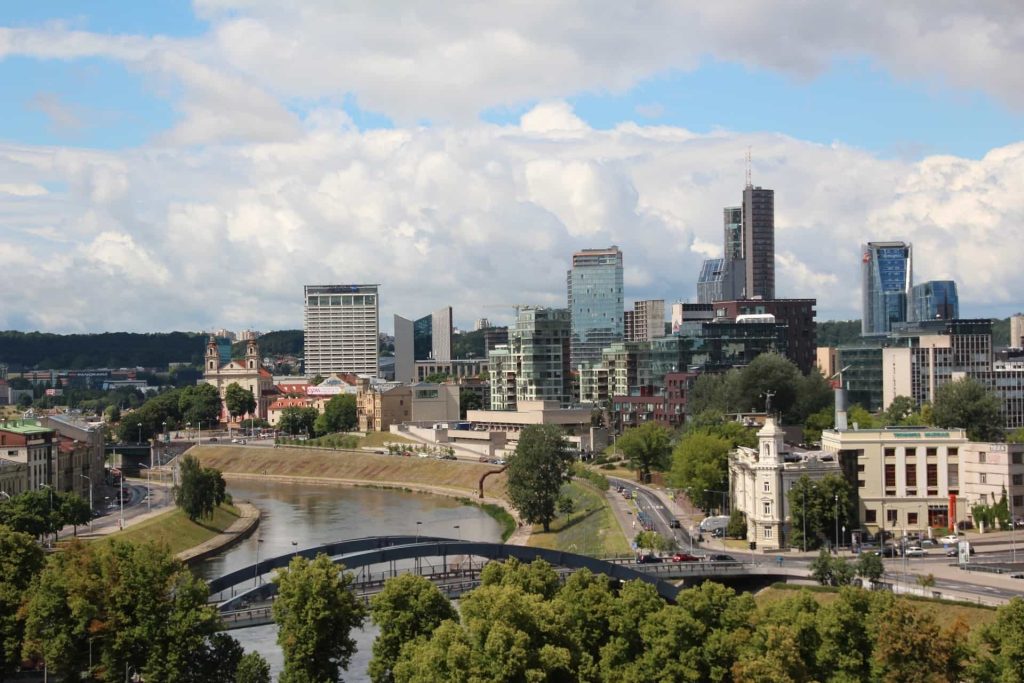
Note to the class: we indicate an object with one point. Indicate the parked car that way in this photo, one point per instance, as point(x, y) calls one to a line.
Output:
point(674, 524)
point(649, 559)
point(928, 543)
point(685, 557)
point(952, 539)
point(915, 551)
point(954, 551)
point(719, 557)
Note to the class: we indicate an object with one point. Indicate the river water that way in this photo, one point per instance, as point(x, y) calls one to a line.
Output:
point(303, 515)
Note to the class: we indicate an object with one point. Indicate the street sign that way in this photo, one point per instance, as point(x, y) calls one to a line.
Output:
point(964, 552)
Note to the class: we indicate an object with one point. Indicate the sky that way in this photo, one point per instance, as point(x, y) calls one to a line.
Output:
point(191, 165)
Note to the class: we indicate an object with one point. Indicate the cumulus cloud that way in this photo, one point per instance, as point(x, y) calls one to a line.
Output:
point(474, 217)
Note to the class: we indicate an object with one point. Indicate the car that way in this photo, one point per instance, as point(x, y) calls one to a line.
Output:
point(212, 439)
point(718, 533)
point(649, 559)
point(719, 557)
point(952, 539)
point(955, 551)
point(928, 543)
point(685, 557)
point(674, 524)
point(915, 551)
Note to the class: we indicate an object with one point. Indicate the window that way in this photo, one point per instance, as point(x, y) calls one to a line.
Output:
point(932, 474)
point(890, 476)
point(911, 474)
point(767, 509)
point(982, 479)
point(911, 519)
point(890, 452)
point(1018, 458)
point(860, 467)
point(1018, 479)
point(870, 516)
point(860, 483)
point(767, 532)
point(953, 451)
point(981, 457)
point(892, 516)
point(1018, 501)
point(953, 476)
point(767, 487)
point(932, 451)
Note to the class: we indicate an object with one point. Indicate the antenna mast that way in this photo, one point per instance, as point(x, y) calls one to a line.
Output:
point(749, 184)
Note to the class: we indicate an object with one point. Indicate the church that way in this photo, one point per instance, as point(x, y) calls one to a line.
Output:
point(247, 373)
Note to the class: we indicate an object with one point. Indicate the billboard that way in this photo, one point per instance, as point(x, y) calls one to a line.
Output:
point(321, 390)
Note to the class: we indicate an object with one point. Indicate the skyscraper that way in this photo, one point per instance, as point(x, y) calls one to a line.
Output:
point(341, 329)
point(534, 365)
point(887, 270)
point(428, 338)
point(934, 300)
point(732, 221)
point(595, 302)
point(1017, 331)
point(648, 320)
point(759, 241)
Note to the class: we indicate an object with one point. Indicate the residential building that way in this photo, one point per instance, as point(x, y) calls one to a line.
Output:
point(481, 324)
point(759, 242)
point(13, 474)
point(688, 317)
point(247, 373)
point(798, 316)
point(989, 470)
point(534, 366)
point(629, 325)
point(456, 369)
point(887, 272)
point(760, 480)
point(1017, 331)
point(427, 339)
point(341, 325)
point(826, 359)
point(377, 408)
point(596, 304)
point(648, 320)
point(277, 408)
point(35, 446)
point(80, 453)
point(934, 300)
point(495, 336)
point(905, 479)
point(667, 408)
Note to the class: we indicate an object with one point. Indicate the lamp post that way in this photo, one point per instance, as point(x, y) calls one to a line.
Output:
point(149, 491)
point(200, 433)
point(837, 522)
point(140, 432)
point(90, 499)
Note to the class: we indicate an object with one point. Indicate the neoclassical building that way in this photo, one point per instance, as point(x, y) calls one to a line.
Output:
point(760, 480)
point(247, 373)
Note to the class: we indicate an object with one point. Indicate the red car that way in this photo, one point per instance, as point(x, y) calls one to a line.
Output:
point(685, 557)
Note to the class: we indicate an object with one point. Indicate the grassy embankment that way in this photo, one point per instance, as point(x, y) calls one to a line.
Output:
point(943, 611)
point(175, 530)
point(590, 530)
point(354, 468)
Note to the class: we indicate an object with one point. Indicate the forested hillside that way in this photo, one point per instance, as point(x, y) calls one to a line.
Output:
point(31, 350)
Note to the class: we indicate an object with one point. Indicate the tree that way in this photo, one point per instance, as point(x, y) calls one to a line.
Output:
point(814, 394)
point(199, 403)
point(770, 372)
point(201, 489)
point(737, 525)
point(30, 512)
point(252, 668)
point(910, 647)
point(831, 571)
point(1001, 657)
point(968, 404)
point(340, 413)
point(298, 420)
point(409, 607)
point(21, 559)
point(566, 505)
point(818, 422)
point(870, 567)
point(1016, 436)
point(536, 471)
point(652, 540)
point(468, 400)
point(700, 466)
point(816, 503)
point(112, 414)
point(899, 410)
point(717, 393)
point(648, 448)
point(74, 510)
point(315, 613)
point(238, 400)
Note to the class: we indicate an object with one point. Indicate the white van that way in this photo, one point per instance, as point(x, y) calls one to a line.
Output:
point(709, 524)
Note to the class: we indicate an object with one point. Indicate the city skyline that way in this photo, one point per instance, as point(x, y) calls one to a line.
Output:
point(158, 171)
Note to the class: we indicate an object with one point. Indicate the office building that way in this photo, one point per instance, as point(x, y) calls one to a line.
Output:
point(733, 233)
point(687, 317)
point(720, 280)
point(934, 300)
point(796, 314)
point(1017, 331)
point(596, 305)
point(759, 242)
point(426, 339)
point(495, 336)
point(887, 271)
point(341, 324)
point(534, 366)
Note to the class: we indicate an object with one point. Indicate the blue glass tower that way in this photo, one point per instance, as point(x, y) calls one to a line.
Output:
point(596, 303)
point(887, 269)
point(934, 300)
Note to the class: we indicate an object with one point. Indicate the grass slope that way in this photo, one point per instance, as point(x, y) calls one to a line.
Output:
point(352, 465)
point(176, 531)
point(590, 530)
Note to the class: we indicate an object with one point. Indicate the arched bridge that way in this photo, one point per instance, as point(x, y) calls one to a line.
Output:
point(452, 568)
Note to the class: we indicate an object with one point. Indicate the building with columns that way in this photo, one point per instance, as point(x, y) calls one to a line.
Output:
point(247, 373)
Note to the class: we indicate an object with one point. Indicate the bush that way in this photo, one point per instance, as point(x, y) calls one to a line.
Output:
point(737, 525)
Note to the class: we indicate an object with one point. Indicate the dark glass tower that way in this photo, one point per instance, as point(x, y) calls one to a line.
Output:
point(759, 241)
point(887, 270)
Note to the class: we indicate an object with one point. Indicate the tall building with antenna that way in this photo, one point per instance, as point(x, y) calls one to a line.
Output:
point(759, 241)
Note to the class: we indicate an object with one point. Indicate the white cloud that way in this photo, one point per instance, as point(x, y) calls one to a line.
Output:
point(472, 217)
point(22, 189)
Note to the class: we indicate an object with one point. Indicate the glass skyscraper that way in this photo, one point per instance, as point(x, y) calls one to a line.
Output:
point(934, 300)
point(596, 303)
point(887, 270)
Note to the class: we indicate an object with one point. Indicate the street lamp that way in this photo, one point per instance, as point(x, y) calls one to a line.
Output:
point(149, 497)
point(200, 434)
point(90, 499)
point(140, 432)
point(837, 522)
point(4, 493)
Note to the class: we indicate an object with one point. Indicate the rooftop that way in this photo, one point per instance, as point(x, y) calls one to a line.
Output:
point(24, 427)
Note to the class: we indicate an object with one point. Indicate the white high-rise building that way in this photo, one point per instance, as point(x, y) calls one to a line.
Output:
point(1017, 331)
point(341, 324)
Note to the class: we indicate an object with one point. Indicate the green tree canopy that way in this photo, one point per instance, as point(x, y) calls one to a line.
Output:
point(315, 613)
point(340, 413)
point(648, 447)
point(770, 372)
point(899, 410)
point(21, 559)
point(542, 462)
point(821, 501)
point(239, 400)
point(700, 466)
point(201, 489)
point(968, 404)
point(298, 420)
point(409, 607)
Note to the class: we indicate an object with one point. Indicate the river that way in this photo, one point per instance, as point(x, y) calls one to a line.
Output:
point(303, 515)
